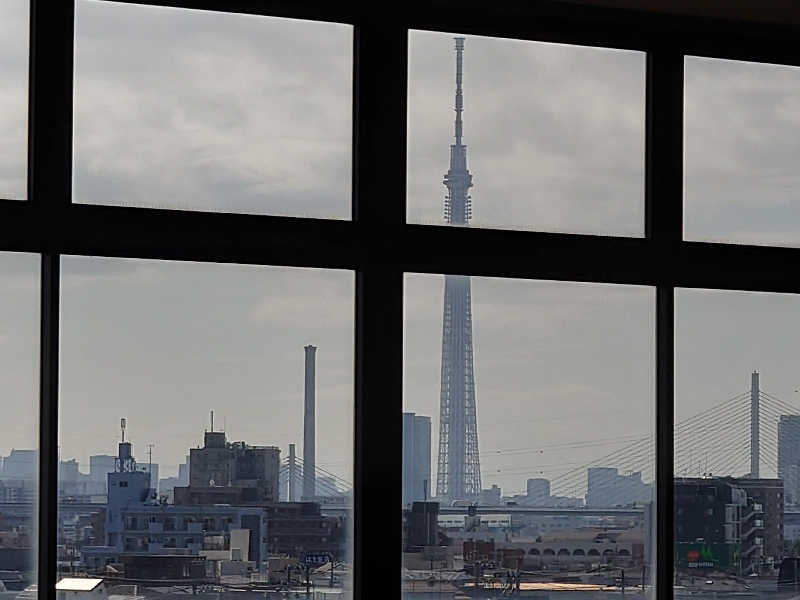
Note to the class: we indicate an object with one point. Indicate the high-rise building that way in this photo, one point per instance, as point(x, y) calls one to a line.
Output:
point(183, 473)
point(416, 458)
point(100, 465)
point(789, 455)
point(538, 490)
point(459, 472)
point(21, 464)
point(606, 487)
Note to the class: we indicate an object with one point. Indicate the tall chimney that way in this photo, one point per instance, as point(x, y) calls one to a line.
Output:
point(309, 426)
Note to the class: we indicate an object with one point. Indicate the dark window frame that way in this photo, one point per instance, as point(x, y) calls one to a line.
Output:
point(378, 244)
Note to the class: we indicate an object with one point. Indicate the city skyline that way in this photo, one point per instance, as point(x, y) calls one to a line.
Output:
point(155, 346)
point(711, 366)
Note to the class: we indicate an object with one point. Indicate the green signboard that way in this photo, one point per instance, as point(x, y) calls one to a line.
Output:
point(706, 556)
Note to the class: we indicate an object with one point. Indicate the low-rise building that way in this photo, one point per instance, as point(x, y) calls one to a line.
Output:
point(727, 522)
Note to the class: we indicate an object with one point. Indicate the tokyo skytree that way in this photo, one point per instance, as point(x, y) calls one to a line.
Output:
point(459, 470)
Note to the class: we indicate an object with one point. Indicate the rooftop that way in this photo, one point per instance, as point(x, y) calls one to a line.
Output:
point(77, 584)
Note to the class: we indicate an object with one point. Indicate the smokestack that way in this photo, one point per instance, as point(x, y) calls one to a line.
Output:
point(309, 426)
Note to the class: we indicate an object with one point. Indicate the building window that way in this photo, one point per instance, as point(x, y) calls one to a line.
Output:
point(631, 256)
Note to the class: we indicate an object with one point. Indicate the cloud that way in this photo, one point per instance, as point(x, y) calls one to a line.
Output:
point(555, 134)
point(193, 109)
point(740, 148)
point(14, 98)
point(212, 111)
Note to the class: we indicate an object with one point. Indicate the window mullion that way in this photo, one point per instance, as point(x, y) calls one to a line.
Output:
point(379, 206)
point(50, 105)
point(48, 424)
point(665, 414)
point(664, 147)
point(49, 191)
point(664, 230)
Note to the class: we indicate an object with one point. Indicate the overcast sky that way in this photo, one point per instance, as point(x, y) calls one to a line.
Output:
point(13, 98)
point(185, 109)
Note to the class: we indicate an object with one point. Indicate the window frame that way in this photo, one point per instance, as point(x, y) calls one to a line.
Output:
point(378, 244)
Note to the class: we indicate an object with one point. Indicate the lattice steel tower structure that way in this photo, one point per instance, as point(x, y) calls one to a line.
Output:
point(459, 469)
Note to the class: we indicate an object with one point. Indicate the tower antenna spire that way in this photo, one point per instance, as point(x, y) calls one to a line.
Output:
point(459, 470)
point(458, 203)
point(459, 91)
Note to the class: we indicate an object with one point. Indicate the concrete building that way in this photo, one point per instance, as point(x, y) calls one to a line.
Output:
point(72, 482)
point(789, 456)
point(492, 496)
point(127, 487)
point(166, 488)
point(791, 485)
point(606, 487)
point(621, 550)
point(708, 512)
point(538, 489)
point(297, 527)
point(765, 501)
point(136, 523)
point(732, 519)
point(222, 464)
point(20, 464)
point(791, 527)
point(183, 472)
point(420, 526)
point(416, 458)
point(100, 465)
point(17, 490)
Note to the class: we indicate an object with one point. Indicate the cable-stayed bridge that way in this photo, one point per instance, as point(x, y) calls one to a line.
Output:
point(737, 437)
point(327, 484)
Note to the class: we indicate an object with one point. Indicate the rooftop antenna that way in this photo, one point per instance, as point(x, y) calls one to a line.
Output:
point(150, 463)
point(212, 421)
point(122, 424)
point(459, 94)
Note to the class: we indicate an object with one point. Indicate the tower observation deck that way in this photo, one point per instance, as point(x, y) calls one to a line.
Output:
point(459, 473)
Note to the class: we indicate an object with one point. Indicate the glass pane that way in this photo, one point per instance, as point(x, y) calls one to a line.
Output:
point(553, 135)
point(528, 455)
point(736, 444)
point(741, 123)
point(200, 110)
point(191, 396)
point(19, 425)
point(14, 99)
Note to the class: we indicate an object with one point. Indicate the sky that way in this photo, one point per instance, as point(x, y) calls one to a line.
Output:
point(211, 111)
point(183, 109)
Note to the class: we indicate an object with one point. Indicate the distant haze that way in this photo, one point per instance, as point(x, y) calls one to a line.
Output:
point(253, 115)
